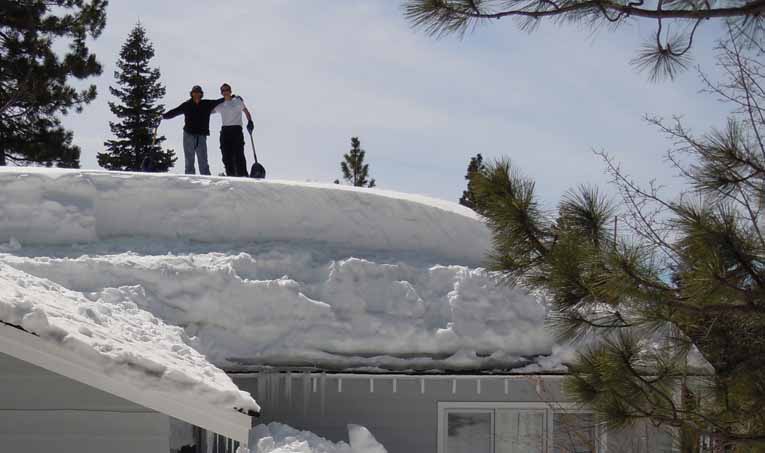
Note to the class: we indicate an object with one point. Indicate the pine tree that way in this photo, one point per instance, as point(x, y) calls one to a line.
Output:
point(355, 171)
point(672, 310)
point(138, 111)
point(468, 196)
point(662, 55)
point(34, 87)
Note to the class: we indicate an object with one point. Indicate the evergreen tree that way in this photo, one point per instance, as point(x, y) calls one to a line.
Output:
point(468, 196)
point(33, 77)
point(673, 308)
point(355, 171)
point(138, 111)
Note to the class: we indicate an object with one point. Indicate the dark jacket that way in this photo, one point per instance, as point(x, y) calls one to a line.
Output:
point(196, 116)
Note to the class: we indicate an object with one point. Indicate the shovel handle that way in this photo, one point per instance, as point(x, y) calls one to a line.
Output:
point(252, 142)
point(154, 133)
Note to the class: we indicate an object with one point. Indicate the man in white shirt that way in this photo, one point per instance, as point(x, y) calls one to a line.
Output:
point(231, 136)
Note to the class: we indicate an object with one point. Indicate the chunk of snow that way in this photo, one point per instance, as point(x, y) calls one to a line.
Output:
point(280, 438)
point(362, 440)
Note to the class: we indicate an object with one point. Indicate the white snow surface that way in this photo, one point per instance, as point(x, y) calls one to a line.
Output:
point(280, 438)
point(262, 273)
point(86, 206)
point(115, 335)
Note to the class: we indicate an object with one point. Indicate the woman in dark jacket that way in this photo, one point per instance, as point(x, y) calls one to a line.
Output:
point(196, 113)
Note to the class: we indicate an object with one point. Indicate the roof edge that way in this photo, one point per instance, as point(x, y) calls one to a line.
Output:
point(28, 347)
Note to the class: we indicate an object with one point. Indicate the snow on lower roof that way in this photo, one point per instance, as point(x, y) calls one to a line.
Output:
point(117, 337)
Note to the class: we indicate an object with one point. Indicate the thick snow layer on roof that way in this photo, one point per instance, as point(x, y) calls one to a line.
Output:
point(286, 304)
point(71, 206)
point(280, 438)
point(280, 274)
point(116, 336)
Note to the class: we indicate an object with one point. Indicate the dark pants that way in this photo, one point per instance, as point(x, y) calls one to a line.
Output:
point(232, 150)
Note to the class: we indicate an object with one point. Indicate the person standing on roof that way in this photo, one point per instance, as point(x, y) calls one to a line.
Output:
point(196, 113)
point(231, 136)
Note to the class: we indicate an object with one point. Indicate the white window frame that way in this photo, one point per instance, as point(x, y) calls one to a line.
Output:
point(550, 409)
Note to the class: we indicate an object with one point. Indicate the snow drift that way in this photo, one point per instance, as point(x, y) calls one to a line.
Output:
point(279, 274)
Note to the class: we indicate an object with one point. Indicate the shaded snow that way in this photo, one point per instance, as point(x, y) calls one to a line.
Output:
point(116, 336)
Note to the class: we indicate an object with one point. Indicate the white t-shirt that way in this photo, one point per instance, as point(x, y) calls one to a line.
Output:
point(231, 111)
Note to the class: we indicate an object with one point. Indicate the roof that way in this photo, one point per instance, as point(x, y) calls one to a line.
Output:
point(276, 273)
point(116, 347)
point(100, 205)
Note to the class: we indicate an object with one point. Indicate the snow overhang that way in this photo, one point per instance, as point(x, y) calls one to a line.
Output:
point(30, 348)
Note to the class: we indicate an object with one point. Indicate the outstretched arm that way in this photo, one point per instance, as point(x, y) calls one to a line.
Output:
point(247, 114)
point(173, 113)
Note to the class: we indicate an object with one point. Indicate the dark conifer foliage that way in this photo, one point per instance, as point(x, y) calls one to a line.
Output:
point(355, 171)
point(468, 196)
point(34, 78)
point(138, 112)
point(668, 294)
point(664, 54)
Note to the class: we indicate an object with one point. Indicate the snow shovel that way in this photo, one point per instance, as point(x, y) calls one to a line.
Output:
point(147, 163)
point(257, 171)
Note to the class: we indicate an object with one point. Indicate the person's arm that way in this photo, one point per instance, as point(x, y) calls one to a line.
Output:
point(250, 124)
point(174, 112)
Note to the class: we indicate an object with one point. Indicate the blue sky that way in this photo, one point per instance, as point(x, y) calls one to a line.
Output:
point(316, 73)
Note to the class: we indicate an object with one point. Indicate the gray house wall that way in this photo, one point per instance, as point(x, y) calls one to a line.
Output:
point(42, 412)
point(404, 420)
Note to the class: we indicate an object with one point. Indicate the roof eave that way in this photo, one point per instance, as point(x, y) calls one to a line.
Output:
point(31, 348)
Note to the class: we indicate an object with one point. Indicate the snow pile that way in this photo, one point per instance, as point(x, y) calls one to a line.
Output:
point(56, 206)
point(279, 438)
point(293, 305)
point(263, 273)
point(113, 334)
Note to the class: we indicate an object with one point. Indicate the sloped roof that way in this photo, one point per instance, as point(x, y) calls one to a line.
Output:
point(118, 348)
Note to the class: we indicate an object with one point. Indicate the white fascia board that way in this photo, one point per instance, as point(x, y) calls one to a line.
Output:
point(32, 349)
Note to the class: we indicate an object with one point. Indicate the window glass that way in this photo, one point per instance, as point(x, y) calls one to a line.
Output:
point(468, 432)
point(573, 433)
point(520, 431)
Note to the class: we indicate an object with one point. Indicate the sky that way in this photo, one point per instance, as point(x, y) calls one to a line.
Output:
point(316, 73)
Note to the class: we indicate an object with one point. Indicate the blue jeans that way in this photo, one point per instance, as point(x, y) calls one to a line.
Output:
point(195, 145)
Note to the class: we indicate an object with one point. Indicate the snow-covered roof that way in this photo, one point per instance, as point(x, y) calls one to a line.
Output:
point(87, 206)
point(265, 273)
point(114, 345)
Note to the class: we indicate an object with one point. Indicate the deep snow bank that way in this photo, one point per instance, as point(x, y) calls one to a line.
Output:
point(293, 305)
point(275, 273)
point(114, 335)
point(55, 206)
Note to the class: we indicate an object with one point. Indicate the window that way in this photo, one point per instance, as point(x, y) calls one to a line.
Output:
point(515, 428)
point(469, 431)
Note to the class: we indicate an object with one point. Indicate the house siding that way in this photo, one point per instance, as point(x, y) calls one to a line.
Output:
point(404, 421)
point(41, 411)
